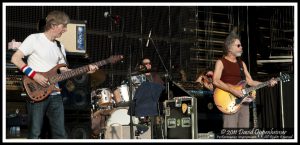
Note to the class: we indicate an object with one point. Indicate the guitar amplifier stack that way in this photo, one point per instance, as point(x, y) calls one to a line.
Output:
point(181, 118)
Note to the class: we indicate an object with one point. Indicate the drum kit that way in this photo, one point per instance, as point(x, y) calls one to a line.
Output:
point(110, 107)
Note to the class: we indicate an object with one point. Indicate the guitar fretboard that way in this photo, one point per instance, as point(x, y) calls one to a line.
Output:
point(248, 90)
point(75, 72)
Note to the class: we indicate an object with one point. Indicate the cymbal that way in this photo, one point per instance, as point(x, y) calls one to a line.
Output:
point(97, 78)
point(135, 73)
point(70, 86)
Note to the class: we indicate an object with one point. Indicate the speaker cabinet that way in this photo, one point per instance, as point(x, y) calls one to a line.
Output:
point(210, 118)
point(76, 93)
point(78, 127)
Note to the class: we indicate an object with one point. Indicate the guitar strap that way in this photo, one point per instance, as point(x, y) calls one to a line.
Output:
point(253, 103)
point(241, 70)
point(59, 46)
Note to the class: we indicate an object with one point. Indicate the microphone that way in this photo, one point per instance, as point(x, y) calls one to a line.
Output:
point(115, 18)
point(148, 38)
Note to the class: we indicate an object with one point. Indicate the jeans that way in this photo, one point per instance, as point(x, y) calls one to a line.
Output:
point(53, 108)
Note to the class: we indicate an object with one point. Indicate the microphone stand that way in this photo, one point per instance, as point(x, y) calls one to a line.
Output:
point(167, 75)
point(129, 81)
point(128, 76)
point(130, 95)
point(168, 78)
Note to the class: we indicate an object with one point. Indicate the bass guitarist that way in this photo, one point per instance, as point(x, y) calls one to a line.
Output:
point(228, 72)
point(44, 53)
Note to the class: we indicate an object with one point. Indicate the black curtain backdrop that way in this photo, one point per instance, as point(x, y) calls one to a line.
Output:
point(268, 107)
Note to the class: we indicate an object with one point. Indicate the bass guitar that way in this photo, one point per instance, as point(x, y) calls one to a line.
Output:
point(37, 92)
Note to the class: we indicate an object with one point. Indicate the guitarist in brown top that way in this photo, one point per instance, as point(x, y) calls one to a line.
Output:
point(228, 72)
point(45, 57)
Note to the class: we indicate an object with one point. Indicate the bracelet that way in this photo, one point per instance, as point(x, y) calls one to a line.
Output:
point(28, 71)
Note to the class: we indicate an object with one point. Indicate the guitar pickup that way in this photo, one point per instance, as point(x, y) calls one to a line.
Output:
point(244, 92)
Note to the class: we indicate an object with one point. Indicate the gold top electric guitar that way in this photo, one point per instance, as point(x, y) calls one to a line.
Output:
point(230, 104)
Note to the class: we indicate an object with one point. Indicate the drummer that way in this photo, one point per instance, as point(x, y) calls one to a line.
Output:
point(151, 75)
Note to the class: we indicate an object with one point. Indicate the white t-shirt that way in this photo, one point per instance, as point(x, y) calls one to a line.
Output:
point(44, 54)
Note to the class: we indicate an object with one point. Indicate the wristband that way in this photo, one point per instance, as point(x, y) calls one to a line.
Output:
point(28, 71)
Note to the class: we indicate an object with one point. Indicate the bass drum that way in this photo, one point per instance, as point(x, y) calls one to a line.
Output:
point(117, 126)
point(119, 116)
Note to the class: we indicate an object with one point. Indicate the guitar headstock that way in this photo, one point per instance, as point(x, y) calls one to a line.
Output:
point(284, 77)
point(114, 58)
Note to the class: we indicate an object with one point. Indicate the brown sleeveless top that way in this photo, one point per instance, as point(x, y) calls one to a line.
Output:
point(231, 72)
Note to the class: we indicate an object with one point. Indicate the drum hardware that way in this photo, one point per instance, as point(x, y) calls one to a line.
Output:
point(140, 129)
point(144, 120)
point(138, 79)
point(143, 125)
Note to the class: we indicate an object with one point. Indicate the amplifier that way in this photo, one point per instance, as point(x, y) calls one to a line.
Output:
point(210, 118)
point(181, 118)
point(13, 78)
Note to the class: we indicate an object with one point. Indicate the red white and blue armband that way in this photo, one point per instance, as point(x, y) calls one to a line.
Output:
point(28, 71)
